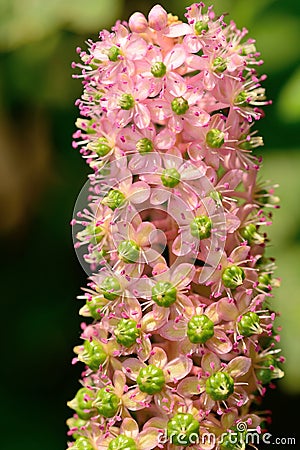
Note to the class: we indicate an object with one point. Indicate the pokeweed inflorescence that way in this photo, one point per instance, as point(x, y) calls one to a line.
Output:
point(180, 338)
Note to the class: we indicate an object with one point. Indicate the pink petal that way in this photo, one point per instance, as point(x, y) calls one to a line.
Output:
point(197, 117)
point(148, 439)
point(232, 178)
point(238, 366)
point(179, 29)
point(165, 139)
point(131, 368)
point(119, 381)
point(178, 368)
point(176, 85)
point(239, 253)
point(144, 350)
point(134, 399)
point(210, 362)
point(159, 196)
point(190, 386)
point(141, 116)
point(136, 49)
point(173, 331)
point(227, 309)
point(183, 274)
point(158, 357)
point(154, 320)
point(192, 43)
point(139, 192)
point(130, 428)
point(219, 343)
point(232, 222)
point(175, 58)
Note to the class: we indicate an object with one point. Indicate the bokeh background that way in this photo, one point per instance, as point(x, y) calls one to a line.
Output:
point(41, 176)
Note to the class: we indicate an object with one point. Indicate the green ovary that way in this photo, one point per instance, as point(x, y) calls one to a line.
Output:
point(219, 386)
point(110, 288)
point(201, 227)
point(249, 324)
point(129, 251)
point(170, 178)
point(122, 442)
point(127, 332)
point(107, 403)
point(200, 329)
point(183, 430)
point(179, 105)
point(215, 138)
point(151, 379)
point(114, 199)
point(233, 277)
point(164, 294)
point(158, 69)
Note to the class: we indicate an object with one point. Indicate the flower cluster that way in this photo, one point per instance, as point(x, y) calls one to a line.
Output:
point(181, 337)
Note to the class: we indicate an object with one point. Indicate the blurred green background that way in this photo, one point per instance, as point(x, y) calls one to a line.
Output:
point(41, 176)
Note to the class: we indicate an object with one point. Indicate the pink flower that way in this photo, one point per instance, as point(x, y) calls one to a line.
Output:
point(216, 383)
point(164, 373)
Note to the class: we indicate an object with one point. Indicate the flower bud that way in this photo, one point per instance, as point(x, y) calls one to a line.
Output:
point(249, 324)
point(127, 332)
point(106, 402)
point(182, 429)
point(170, 177)
point(110, 288)
point(201, 227)
point(219, 386)
point(179, 105)
point(158, 18)
point(215, 138)
point(129, 251)
point(113, 199)
point(233, 277)
point(200, 329)
point(122, 442)
point(164, 294)
point(151, 379)
point(138, 23)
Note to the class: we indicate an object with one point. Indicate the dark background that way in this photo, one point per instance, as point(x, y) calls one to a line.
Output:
point(41, 176)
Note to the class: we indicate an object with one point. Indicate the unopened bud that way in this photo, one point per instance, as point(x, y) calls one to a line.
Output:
point(138, 23)
point(158, 18)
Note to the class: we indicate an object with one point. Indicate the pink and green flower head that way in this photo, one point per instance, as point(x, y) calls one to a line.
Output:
point(179, 340)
